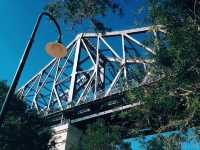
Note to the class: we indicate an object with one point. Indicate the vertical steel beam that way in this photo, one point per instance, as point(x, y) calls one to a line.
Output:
point(124, 59)
point(96, 68)
point(54, 86)
point(74, 71)
point(156, 41)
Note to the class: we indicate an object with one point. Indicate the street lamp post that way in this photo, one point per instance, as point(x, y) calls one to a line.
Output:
point(56, 49)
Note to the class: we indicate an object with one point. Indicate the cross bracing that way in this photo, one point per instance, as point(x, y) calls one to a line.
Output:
point(96, 66)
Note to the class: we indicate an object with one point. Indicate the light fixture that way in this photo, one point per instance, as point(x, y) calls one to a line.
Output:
point(55, 49)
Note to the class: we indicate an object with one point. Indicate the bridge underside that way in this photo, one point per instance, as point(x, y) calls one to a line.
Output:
point(107, 109)
point(94, 74)
point(93, 110)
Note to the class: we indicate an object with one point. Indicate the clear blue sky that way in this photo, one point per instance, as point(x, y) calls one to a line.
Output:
point(17, 21)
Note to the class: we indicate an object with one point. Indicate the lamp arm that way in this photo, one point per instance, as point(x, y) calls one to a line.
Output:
point(51, 18)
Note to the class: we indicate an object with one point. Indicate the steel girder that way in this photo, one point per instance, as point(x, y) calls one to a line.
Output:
point(96, 65)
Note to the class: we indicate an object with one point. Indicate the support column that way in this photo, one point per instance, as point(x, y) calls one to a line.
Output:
point(65, 137)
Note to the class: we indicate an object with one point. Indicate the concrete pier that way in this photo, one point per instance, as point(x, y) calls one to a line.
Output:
point(66, 137)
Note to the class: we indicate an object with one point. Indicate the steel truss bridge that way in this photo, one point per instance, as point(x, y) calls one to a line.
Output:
point(95, 72)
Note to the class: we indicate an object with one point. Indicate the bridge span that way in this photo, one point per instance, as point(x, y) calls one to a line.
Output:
point(93, 77)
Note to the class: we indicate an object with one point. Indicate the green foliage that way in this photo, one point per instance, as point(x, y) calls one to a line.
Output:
point(78, 11)
point(180, 58)
point(3, 90)
point(173, 102)
point(22, 130)
point(102, 136)
point(182, 54)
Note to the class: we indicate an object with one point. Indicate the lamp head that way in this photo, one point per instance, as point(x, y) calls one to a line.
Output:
point(56, 49)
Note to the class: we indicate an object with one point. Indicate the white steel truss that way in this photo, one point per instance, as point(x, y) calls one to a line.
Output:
point(96, 65)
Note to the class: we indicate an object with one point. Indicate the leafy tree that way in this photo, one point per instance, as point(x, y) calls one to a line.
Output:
point(22, 130)
point(179, 59)
point(173, 102)
point(79, 11)
point(102, 136)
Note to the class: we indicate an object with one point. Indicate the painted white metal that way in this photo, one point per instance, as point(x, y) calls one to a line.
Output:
point(114, 81)
point(140, 44)
point(80, 79)
point(97, 67)
point(74, 71)
point(86, 89)
point(106, 112)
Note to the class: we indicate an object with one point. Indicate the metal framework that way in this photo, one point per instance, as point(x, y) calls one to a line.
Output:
point(96, 66)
